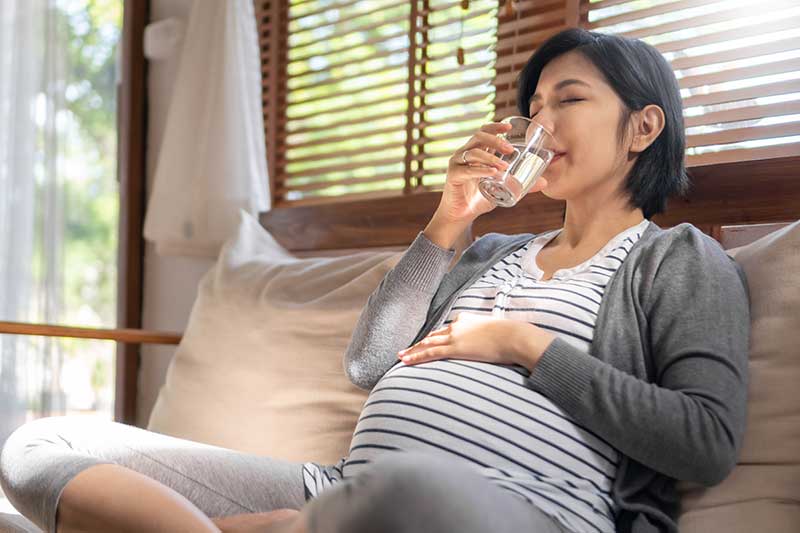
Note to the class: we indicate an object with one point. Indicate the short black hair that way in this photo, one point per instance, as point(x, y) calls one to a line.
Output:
point(639, 75)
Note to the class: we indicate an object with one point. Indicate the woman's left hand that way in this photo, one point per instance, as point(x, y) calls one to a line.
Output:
point(481, 338)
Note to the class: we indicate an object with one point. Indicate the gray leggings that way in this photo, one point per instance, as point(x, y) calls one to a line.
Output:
point(401, 492)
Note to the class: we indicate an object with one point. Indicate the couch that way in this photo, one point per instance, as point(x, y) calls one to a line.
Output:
point(268, 330)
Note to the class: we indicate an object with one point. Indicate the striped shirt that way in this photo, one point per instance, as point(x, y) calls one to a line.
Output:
point(485, 414)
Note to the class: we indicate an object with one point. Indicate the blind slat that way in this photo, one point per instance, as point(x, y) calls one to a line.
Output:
point(462, 134)
point(400, 19)
point(471, 15)
point(361, 105)
point(344, 198)
point(528, 8)
point(777, 67)
point(526, 47)
point(341, 20)
point(339, 123)
point(527, 41)
point(464, 117)
point(350, 62)
point(527, 25)
point(742, 154)
point(744, 113)
point(788, 23)
point(329, 140)
point(461, 100)
point(339, 93)
point(319, 185)
point(734, 95)
point(341, 79)
point(743, 52)
point(695, 22)
point(326, 7)
point(375, 40)
point(506, 79)
point(638, 14)
point(449, 53)
point(602, 4)
point(445, 72)
point(338, 168)
point(322, 156)
point(743, 134)
point(471, 84)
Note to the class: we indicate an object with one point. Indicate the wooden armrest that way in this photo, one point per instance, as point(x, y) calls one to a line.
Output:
point(130, 336)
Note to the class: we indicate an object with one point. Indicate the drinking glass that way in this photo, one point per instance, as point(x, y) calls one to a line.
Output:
point(528, 161)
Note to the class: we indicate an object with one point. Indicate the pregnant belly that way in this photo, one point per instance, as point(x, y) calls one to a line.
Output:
point(484, 414)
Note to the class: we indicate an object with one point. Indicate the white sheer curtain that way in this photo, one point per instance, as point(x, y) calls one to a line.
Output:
point(212, 161)
point(31, 206)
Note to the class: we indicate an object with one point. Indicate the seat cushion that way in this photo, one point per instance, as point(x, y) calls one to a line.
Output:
point(763, 491)
point(260, 366)
point(15, 523)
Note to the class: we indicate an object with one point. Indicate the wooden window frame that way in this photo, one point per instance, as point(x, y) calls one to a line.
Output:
point(757, 191)
point(132, 143)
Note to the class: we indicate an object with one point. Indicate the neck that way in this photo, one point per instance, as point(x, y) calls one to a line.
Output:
point(591, 223)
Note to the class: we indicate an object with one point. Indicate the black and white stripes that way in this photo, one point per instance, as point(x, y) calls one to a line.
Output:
point(485, 414)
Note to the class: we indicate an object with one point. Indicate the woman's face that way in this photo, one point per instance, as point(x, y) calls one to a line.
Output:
point(574, 102)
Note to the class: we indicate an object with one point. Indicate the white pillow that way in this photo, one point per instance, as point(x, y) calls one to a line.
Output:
point(260, 365)
point(763, 491)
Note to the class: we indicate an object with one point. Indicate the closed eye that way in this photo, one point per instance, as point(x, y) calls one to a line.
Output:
point(569, 100)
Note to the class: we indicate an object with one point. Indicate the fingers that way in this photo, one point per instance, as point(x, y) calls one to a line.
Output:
point(486, 159)
point(488, 143)
point(479, 171)
point(441, 331)
point(428, 354)
point(496, 127)
point(441, 337)
point(434, 340)
point(482, 146)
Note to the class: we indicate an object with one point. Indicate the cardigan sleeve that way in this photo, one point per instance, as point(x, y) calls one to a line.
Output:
point(395, 311)
point(689, 423)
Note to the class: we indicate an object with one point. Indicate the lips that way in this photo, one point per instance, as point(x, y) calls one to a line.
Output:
point(557, 156)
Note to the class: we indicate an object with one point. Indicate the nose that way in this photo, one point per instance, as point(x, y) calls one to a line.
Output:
point(546, 117)
point(544, 122)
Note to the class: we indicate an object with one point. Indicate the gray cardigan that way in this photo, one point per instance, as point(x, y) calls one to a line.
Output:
point(666, 378)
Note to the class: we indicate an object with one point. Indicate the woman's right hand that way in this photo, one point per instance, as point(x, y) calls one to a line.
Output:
point(462, 201)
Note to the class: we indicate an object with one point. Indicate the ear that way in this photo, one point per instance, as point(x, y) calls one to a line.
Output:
point(647, 125)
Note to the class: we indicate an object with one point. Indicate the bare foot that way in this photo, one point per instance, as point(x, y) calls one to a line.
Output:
point(277, 521)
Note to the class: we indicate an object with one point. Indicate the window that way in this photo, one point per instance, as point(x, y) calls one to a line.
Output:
point(377, 94)
point(737, 64)
point(58, 204)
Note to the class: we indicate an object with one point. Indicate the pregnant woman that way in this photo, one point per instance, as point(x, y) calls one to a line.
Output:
point(559, 382)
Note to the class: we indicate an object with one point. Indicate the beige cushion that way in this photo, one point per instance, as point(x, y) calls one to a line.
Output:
point(763, 491)
point(259, 368)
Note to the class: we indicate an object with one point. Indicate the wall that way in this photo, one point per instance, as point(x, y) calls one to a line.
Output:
point(170, 283)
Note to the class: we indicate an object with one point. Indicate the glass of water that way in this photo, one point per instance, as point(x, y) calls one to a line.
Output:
point(528, 161)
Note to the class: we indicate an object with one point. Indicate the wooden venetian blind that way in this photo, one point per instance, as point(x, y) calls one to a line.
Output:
point(368, 99)
point(738, 65)
point(522, 27)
